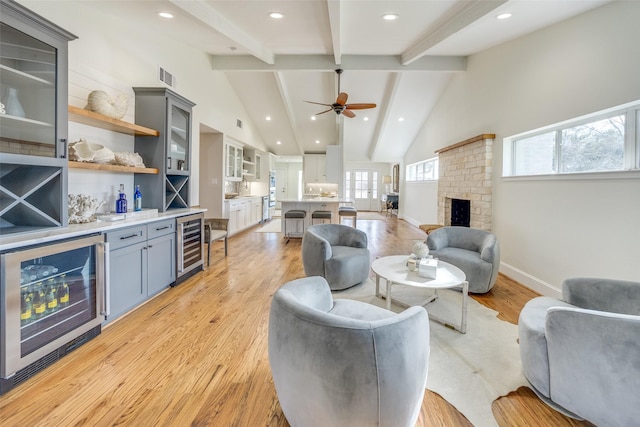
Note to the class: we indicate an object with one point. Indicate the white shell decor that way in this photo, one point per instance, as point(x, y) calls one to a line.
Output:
point(100, 102)
point(129, 159)
point(83, 151)
point(82, 208)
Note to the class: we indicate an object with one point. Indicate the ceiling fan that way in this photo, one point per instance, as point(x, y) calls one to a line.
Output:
point(341, 106)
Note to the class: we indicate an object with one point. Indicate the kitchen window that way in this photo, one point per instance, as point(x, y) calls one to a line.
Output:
point(606, 141)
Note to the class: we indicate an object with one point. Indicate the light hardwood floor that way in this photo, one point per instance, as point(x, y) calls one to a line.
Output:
point(197, 354)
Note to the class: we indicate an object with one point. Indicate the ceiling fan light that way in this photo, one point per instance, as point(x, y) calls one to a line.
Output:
point(390, 16)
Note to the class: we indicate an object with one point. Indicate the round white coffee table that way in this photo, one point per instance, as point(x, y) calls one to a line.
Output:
point(394, 270)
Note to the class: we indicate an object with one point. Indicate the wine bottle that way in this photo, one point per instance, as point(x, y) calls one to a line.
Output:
point(26, 308)
point(121, 203)
point(52, 296)
point(39, 301)
point(137, 199)
point(63, 292)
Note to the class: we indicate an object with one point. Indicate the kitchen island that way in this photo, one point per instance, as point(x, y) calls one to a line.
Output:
point(309, 205)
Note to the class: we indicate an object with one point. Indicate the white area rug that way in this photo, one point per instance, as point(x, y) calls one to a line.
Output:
point(366, 215)
point(272, 226)
point(469, 370)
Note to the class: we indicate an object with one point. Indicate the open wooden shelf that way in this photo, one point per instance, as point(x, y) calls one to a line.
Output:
point(111, 168)
point(80, 115)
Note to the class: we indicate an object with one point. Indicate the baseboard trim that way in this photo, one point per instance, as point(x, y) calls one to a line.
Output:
point(410, 220)
point(530, 281)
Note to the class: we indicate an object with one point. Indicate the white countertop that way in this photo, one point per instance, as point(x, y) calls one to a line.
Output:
point(317, 200)
point(12, 241)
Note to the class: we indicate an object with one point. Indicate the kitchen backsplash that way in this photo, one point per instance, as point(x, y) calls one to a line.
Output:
point(319, 188)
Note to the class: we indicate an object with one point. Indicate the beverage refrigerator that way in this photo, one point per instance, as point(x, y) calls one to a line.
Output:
point(53, 299)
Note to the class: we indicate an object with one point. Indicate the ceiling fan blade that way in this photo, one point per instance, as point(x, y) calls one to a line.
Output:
point(359, 106)
point(318, 103)
point(348, 113)
point(322, 112)
point(342, 98)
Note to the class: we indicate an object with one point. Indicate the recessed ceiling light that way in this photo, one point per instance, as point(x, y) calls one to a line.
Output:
point(317, 141)
point(366, 119)
point(504, 15)
point(278, 142)
point(401, 119)
point(268, 118)
point(276, 15)
point(389, 16)
point(166, 15)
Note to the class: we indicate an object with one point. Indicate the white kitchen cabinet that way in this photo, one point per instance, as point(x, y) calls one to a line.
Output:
point(256, 210)
point(233, 162)
point(243, 213)
point(315, 168)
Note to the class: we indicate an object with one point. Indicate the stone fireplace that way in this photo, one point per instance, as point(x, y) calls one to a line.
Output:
point(466, 170)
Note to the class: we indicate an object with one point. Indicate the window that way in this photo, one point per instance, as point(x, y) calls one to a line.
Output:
point(602, 142)
point(347, 185)
point(423, 171)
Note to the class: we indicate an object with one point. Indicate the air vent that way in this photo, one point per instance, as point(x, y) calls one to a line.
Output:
point(167, 78)
point(239, 123)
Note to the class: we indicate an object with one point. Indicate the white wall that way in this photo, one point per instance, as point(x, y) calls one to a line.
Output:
point(107, 49)
point(549, 230)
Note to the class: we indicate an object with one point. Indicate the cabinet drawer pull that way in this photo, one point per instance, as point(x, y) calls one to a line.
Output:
point(163, 228)
point(128, 237)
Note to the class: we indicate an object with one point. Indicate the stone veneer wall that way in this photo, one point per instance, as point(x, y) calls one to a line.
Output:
point(466, 170)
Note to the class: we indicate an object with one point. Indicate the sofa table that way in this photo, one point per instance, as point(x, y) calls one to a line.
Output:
point(394, 270)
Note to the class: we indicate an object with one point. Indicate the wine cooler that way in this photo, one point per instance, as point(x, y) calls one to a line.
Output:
point(190, 249)
point(53, 300)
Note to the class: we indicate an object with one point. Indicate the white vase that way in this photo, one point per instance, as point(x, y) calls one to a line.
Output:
point(12, 105)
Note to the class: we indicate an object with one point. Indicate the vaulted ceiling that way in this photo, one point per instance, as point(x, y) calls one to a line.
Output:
point(402, 65)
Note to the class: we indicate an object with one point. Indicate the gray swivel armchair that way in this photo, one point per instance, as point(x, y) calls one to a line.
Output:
point(581, 354)
point(474, 251)
point(336, 252)
point(345, 362)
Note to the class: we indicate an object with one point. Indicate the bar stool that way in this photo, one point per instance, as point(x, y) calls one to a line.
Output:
point(322, 215)
point(349, 212)
point(294, 214)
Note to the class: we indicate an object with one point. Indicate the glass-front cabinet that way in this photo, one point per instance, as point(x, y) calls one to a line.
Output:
point(161, 108)
point(179, 138)
point(33, 120)
point(233, 162)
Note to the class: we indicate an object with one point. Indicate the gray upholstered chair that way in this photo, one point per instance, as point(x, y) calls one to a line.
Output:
point(581, 354)
point(476, 252)
point(336, 252)
point(344, 362)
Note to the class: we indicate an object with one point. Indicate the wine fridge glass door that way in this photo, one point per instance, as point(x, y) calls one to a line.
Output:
point(52, 294)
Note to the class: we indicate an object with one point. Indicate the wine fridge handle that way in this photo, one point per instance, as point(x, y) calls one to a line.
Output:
point(106, 286)
point(181, 248)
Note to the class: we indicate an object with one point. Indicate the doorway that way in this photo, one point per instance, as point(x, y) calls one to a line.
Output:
point(362, 186)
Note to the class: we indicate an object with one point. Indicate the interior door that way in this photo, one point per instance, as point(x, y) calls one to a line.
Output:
point(365, 189)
